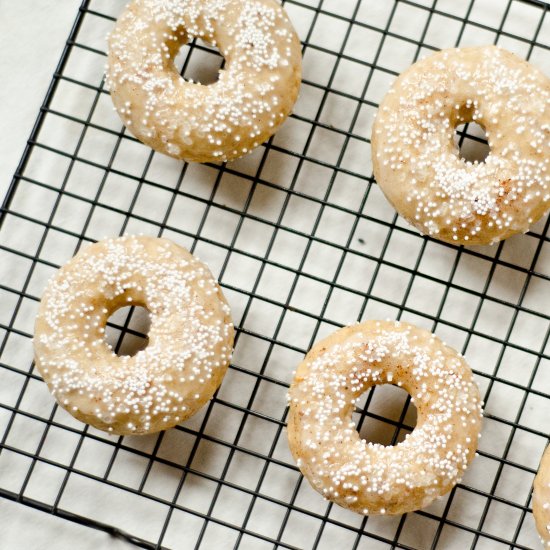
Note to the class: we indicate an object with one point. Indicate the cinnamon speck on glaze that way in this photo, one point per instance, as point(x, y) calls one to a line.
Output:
point(190, 339)
point(418, 166)
point(366, 477)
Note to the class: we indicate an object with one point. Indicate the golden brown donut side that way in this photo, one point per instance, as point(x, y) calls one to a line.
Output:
point(541, 498)
point(255, 92)
point(418, 166)
point(190, 338)
point(370, 478)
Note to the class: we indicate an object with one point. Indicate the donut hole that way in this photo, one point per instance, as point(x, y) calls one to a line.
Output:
point(199, 62)
point(471, 142)
point(385, 415)
point(127, 329)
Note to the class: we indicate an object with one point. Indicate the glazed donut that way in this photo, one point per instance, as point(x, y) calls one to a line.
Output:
point(253, 96)
point(541, 498)
point(370, 478)
point(417, 164)
point(190, 339)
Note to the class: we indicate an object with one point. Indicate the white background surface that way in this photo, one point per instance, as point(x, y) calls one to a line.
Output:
point(32, 36)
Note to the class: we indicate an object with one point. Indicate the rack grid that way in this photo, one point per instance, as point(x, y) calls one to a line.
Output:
point(303, 242)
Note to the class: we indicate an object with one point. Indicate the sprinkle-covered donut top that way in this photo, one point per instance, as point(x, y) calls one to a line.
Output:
point(190, 339)
point(418, 165)
point(252, 97)
point(357, 473)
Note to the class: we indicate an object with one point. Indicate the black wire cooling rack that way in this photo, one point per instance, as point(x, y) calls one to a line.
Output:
point(303, 242)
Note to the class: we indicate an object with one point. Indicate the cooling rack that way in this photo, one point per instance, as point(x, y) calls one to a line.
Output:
point(303, 242)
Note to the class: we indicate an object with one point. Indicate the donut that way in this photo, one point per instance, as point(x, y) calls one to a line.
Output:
point(541, 498)
point(418, 166)
point(190, 339)
point(254, 94)
point(367, 477)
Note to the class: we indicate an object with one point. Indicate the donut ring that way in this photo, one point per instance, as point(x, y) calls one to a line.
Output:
point(541, 498)
point(417, 164)
point(370, 478)
point(190, 339)
point(253, 96)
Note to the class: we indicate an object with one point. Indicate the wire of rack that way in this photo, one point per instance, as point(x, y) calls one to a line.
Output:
point(302, 242)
